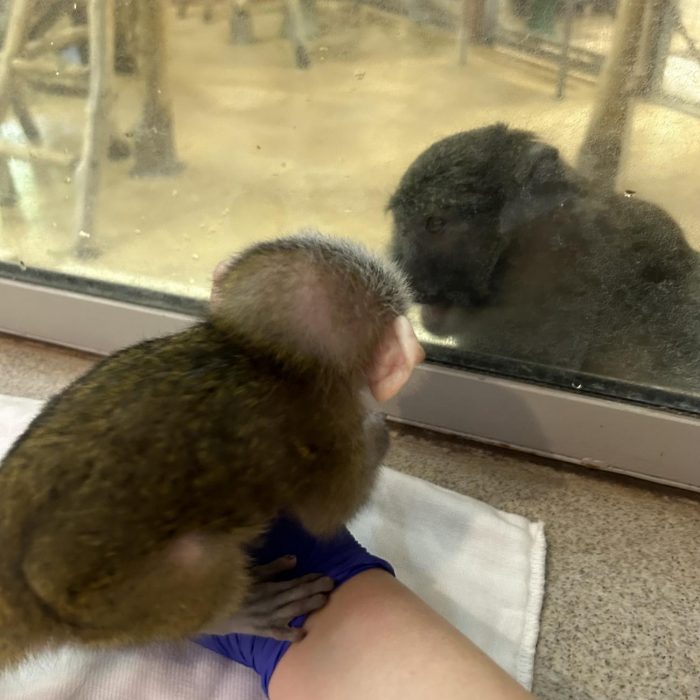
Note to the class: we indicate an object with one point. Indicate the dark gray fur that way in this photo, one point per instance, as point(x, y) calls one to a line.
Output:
point(518, 256)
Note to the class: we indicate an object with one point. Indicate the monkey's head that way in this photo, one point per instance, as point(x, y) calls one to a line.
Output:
point(459, 206)
point(322, 304)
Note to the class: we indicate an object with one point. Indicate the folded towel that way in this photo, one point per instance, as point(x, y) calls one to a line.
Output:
point(479, 567)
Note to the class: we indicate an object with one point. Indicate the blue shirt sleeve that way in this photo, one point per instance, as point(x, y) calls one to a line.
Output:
point(341, 557)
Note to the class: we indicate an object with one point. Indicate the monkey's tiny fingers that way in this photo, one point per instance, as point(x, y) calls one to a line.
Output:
point(264, 595)
point(303, 606)
point(263, 572)
point(287, 634)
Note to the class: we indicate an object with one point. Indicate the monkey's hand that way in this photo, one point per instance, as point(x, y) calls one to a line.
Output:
point(271, 605)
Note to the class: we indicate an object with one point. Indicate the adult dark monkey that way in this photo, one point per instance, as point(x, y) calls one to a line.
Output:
point(516, 255)
point(128, 506)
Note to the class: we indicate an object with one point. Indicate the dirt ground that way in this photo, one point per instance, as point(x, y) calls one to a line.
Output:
point(268, 148)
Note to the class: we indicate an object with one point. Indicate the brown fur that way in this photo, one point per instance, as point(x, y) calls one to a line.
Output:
point(204, 436)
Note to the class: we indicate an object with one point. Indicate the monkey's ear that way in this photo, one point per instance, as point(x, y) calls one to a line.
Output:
point(217, 276)
point(220, 270)
point(394, 361)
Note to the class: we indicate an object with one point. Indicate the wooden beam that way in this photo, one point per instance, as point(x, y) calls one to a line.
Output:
point(96, 135)
point(18, 17)
point(8, 149)
point(55, 41)
point(17, 22)
point(608, 128)
point(24, 116)
point(32, 69)
point(154, 143)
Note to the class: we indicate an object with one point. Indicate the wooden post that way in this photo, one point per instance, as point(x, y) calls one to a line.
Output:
point(87, 176)
point(297, 24)
point(24, 117)
point(8, 191)
point(240, 23)
point(154, 145)
point(601, 152)
point(182, 6)
point(463, 32)
point(125, 45)
point(650, 43)
point(479, 22)
point(663, 48)
point(16, 27)
point(17, 22)
point(565, 46)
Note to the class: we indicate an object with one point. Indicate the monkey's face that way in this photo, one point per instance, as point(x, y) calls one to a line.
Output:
point(446, 234)
point(450, 257)
point(458, 210)
point(448, 252)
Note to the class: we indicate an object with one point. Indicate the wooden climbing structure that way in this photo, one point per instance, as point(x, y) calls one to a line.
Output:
point(32, 54)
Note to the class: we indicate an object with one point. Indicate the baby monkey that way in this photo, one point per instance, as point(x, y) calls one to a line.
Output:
point(129, 504)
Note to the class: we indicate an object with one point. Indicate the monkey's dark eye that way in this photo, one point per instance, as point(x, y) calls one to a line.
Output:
point(435, 224)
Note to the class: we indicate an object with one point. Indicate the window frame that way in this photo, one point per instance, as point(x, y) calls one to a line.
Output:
point(600, 433)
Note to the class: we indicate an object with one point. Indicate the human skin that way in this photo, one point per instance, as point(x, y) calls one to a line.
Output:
point(377, 639)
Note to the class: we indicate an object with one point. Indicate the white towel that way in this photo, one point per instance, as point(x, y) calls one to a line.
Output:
point(479, 567)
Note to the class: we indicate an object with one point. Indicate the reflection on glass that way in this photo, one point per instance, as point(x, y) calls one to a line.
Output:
point(554, 222)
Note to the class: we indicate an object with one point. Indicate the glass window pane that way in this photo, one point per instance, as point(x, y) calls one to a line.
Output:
point(532, 164)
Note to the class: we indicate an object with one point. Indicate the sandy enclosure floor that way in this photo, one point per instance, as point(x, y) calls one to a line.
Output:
point(268, 148)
